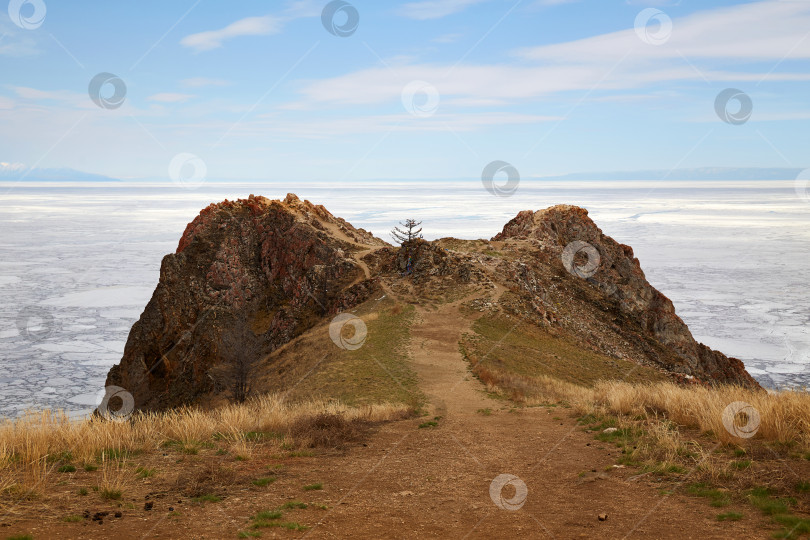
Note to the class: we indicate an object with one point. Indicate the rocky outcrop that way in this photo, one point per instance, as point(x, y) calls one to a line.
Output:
point(281, 267)
point(616, 283)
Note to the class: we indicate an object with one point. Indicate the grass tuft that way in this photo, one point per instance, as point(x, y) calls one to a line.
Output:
point(262, 482)
point(142, 472)
point(795, 526)
point(208, 497)
point(110, 494)
point(268, 515)
point(718, 498)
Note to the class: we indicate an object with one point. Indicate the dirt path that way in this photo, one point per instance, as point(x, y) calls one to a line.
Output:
point(408, 481)
point(358, 256)
point(435, 482)
point(443, 373)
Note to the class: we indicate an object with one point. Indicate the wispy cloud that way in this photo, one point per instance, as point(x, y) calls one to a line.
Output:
point(199, 82)
point(249, 26)
point(735, 44)
point(653, 3)
point(435, 9)
point(168, 97)
point(253, 26)
point(14, 43)
point(553, 2)
point(35, 94)
point(769, 30)
point(340, 127)
point(447, 38)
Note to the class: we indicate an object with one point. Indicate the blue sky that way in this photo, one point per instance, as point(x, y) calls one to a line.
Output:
point(261, 90)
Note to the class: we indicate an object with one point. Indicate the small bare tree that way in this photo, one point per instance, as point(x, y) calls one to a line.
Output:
point(239, 352)
point(408, 232)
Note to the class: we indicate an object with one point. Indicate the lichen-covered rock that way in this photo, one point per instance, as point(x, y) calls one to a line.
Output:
point(275, 261)
point(618, 298)
point(285, 266)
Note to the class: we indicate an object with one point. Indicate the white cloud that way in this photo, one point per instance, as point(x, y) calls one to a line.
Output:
point(341, 127)
point(250, 26)
point(35, 94)
point(767, 30)
point(16, 43)
point(12, 167)
point(447, 38)
point(554, 2)
point(653, 3)
point(720, 45)
point(434, 9)
point(168, 97)
point(254, 26)
point(490, 85)
point(304, 8)
point(199, 82)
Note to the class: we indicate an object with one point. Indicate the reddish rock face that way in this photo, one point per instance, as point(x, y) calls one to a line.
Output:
point(634, 319)
point(284, 266)
point(269, 260)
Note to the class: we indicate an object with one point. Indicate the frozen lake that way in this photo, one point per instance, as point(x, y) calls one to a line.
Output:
point(84, 259)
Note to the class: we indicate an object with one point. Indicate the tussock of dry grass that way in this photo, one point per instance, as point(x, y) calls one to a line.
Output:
point(784, 415)
point(31, 447)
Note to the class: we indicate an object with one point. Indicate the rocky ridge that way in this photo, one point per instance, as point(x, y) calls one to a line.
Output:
point(286, 266)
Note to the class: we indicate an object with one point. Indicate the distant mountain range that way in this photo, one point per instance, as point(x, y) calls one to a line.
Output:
point(703, 173)
point(18, 171)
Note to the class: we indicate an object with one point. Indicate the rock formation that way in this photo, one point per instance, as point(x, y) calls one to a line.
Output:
point(284, 263)
point(640, 313)
point(285, 266)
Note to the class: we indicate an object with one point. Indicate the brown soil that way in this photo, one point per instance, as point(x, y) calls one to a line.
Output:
point(411, 478)
point(409, 481)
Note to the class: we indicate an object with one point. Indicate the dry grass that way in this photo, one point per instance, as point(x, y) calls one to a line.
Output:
point(784, 415)
point(33, 446)
point(114, 478)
